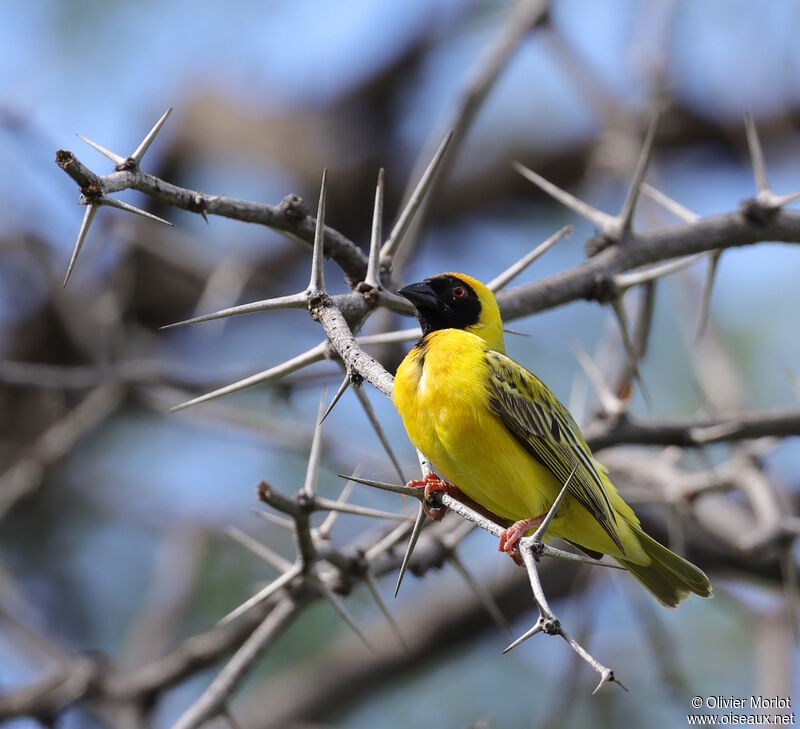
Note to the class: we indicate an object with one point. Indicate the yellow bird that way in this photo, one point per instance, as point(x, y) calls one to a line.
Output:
point(499, 435)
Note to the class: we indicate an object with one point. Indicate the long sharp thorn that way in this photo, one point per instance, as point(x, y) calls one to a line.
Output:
point(315, 354)
point(315, 456)
point(384, 608)
point(295, 301)
point(609, 402)
point(324, 529)
point(537, 628)
point(317, 281)
point(629, 206)
point(387, 542)
point(619, 312)
point(280, 521)
point(607, 676)
point(373, 277)
point(339, 392)
point(340, 609)
point(556, 553)
point(113, 156)
point(781, 200)
point(263, 594)
point(88, 217)
point(483, 595)
point(598, 218)
point(405, 490)
point(671, 206)
point(119, 204)
point(260, 550)
point(401, 335)
point(705, 299)
point(625, 281)
point(325, 504)
point(538, 535)
point(376, 426)
point(151, 135)
point(407, 216)
point(412, 542)
point(756, 155)
point(503, 279)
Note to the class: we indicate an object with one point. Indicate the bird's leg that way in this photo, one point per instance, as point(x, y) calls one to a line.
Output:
point(434, 484)
point(509, 537)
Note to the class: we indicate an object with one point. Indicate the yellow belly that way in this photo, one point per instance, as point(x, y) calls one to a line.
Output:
point(441, 397)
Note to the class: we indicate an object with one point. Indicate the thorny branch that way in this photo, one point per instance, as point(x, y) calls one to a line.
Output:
point(620, 257)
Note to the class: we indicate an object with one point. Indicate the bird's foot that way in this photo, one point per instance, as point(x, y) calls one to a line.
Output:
point(511, 536)
point(434, 484)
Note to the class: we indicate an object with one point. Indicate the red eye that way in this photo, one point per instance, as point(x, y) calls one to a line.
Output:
point(459, 292)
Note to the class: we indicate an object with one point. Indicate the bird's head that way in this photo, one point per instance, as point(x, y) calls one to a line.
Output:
point(457, 301)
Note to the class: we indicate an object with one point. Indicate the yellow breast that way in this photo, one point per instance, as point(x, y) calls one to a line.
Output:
point(441, 393)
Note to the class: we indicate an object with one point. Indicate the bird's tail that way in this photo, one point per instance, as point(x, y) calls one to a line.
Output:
point(668, 577)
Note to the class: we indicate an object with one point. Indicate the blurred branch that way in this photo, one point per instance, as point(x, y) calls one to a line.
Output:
point(24, 477)
point(693, 431)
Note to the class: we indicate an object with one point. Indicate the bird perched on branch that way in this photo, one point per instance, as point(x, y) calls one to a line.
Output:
point(501, 437)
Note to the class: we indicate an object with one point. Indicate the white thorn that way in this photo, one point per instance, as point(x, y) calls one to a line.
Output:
point(376, 426)
point(120, 205)
point(407, 216)
point(603, 221)
point(342, 388)
point(412, 542)
point(335, 506)
point(258, 549)
point(91, 211)
point(502, 280)
point(538, 535)
point(609, 402)
point(339, 607)
point(756, 156)
point(405, 490)
point(625, 217)
point(315, 455)
point(263, 594)
point(324, 529)
point(781, 200)
point(113, 156)
point(369, 580)
point(402, 335)
point(271, 518)
point(317, 281)
point(705, 299)
point(151, 135)
point(295, 301)
point(373, 277)
point(315, 354)
point(548, 551)
point(483, 595)
point(625, 281)
point(537, 628)
point(618, 307)
point(670, 205)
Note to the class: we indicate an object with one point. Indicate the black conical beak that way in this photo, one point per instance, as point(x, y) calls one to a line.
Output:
point(421, 295)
